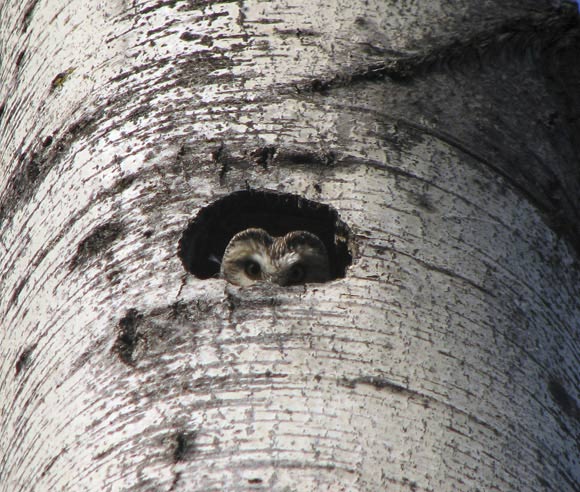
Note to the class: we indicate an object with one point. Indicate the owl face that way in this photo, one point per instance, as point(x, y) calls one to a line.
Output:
point(254, 256)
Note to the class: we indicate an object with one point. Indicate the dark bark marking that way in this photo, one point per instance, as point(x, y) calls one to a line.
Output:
point(36, 162)
point(176, 480)
point(322, 86)
point(23, 361)
point(184, 445)
point(255, 480)
point(204, 40)
point(27, 17)
point(107, 452)
point(269, 156)
point(18, 290)
point(299, 33)
point(376, 382)
point(97, 347)
point(113, 276)
point(188, 36)
point(305, 158)
point(122, 184)
point(543, 482)
point(189, 311)
point(206, 383)
point(99, 240)
point(238, 299)
point(60, 79)
point(423, 201)
point(180, 447)
point(128, 336)
point(20, 60)
point(83, 126)
point(138, 113)
point(145, 337)
point(411, 484)
point(158, 5)
point(563, 399)
point(227, 161)
point(51, 463)
point(218, 157)
point(264, 156)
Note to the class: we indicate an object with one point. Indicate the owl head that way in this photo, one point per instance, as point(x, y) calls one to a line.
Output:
point(254, 256)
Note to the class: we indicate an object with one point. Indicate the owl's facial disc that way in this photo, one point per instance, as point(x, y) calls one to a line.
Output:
point(296, 273)
point(254, 256)
point(301, 265)
point(245, 259)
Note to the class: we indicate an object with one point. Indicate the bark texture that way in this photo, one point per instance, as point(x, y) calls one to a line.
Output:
point(446, 139)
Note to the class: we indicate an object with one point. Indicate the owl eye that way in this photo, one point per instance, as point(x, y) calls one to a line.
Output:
point(252, 269)
point(296, 274)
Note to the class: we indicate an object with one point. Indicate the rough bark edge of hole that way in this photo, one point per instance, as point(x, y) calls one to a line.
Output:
point(207, 235)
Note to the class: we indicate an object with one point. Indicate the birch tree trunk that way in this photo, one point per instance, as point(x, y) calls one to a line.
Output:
point(445, 138)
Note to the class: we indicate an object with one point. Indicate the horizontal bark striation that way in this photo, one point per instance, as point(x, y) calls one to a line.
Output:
point(545, 38)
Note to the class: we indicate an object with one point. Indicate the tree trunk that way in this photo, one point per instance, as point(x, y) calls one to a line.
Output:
point(433, 147)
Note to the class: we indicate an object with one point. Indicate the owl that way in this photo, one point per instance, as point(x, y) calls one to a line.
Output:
point(254, 256)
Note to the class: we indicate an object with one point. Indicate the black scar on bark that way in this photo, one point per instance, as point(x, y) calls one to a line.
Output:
point(128, 336)
point(203, 242)
point(24, 360)
point(568, 405)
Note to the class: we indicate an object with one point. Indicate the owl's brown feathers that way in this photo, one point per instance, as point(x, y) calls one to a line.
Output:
point(254, 256)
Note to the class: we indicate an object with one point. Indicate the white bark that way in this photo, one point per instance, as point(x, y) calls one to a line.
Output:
point(447, 359)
